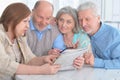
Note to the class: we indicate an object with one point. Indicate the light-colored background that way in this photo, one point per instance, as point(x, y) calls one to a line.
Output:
point(109, 9)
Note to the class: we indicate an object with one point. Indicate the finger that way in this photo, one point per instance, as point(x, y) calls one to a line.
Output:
point(77, 66)
point(76, 44)
point(56, 65)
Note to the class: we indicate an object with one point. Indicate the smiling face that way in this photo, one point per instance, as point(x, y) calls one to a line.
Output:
point(89, 21)
point(42, 15)
point(66, 23)
point(22, 27)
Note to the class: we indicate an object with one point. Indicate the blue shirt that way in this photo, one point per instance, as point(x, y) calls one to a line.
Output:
point(58, 42)
point(82, 37)
point(106, 47)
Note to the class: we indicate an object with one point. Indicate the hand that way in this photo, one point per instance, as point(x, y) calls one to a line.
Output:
point(53, 21)
point(71, 45)
point(50, 58)
point(50, 69)
point(76, 45)
point(78, 62)
point(54, 51)
point(89, 58)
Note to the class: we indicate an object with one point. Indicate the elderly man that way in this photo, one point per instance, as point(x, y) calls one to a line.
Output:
point(105, 39)
point(42, 36)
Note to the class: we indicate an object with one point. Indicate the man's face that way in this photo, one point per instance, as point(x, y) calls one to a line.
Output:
point(42, 17)
point(89, 22)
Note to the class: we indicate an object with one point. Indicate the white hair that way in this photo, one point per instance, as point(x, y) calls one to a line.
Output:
point(89, 5)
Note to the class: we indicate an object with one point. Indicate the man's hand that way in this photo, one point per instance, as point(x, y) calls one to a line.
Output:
point(89, 58)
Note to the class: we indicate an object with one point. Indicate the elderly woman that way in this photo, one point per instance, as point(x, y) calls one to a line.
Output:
point(68, 25)
point(74, 36)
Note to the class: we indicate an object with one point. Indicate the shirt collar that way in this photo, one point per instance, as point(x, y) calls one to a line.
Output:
point(32, 26)
point(100, 31)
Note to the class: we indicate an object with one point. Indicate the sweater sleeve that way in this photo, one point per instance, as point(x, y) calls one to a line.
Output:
point(113, 62)
point(7, 65)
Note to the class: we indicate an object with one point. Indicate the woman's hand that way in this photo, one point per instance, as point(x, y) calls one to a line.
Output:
point(78, 62)
point(49, 69)
point(54, 52)
point(50, 58)
point(71, 45)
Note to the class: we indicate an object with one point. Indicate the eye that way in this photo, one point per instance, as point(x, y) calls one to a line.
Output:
point(25, 21)
point(87, 19)
point(61, 20)
point(47, 18)
point(69, 22)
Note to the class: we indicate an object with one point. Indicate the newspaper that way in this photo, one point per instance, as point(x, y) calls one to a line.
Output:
point(67, 57)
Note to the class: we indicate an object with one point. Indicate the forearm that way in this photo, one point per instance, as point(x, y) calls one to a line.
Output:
point(28, 69)
point(37, 61)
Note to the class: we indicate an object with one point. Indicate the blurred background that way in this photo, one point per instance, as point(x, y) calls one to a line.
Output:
point(109, 9)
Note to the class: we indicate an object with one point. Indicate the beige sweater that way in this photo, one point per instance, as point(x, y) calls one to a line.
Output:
point(8, 64)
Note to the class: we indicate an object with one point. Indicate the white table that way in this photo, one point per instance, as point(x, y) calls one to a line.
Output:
point(86, 73)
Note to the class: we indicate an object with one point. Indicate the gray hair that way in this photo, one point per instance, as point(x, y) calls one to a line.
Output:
point(89, 5)
point(71, 11)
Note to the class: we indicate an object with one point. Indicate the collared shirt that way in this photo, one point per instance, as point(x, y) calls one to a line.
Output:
point(82, 37)
point(106, 47)
point(38, 33)
point(41, 42)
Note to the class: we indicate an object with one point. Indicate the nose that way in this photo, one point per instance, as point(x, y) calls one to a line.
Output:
point(44, 21)
point(64, 24)
point(27, 24)
point(83, 22)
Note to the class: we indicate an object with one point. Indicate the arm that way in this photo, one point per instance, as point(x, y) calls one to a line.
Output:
point(44, 69)
point(42, 60)
point(112, 62)
point(39, 65)
point(59, 42)
point(12, 67)
point(78, 62)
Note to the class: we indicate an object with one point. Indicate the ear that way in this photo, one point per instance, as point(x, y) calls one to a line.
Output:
point(98, 18)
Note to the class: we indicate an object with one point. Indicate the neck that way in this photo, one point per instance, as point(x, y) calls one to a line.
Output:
point(96, 30)
point(11, 36)
point(68, 35)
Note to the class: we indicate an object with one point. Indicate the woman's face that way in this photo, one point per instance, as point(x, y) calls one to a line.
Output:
point(22, 27)
point(66, 23)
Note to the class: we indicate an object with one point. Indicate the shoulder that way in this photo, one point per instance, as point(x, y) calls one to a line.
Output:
point(112, 30)
point(2, 33)
point(22, 39)
point(111, 33)
point(81, 33)
point(54, 29)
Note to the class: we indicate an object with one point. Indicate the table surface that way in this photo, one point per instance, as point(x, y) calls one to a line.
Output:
point(86, 73)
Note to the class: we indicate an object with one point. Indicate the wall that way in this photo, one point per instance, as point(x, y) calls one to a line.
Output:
point(109, 9)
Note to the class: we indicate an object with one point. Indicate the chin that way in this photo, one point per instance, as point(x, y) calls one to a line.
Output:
point(23, 34)
point(63, 32)
point(90, 32)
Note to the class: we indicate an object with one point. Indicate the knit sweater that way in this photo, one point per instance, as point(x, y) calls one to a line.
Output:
point(42, 46)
